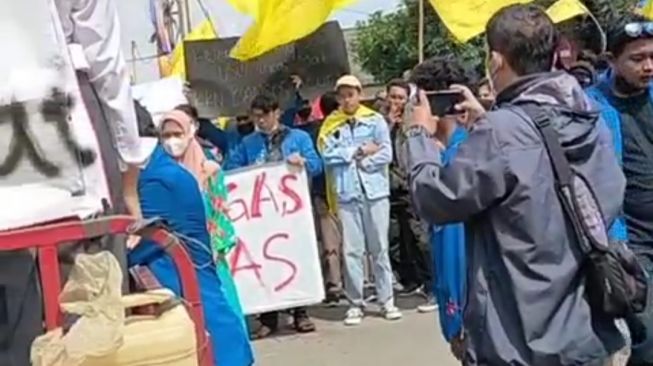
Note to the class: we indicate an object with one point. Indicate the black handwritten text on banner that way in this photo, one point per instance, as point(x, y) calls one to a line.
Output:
point(223, 86)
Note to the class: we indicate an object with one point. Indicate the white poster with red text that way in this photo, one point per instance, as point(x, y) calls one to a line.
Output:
point(276, 263)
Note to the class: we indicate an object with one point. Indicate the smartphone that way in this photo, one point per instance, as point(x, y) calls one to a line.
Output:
point(444, 102)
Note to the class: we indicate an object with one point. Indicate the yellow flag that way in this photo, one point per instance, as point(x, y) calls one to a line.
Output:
point(177, 61)
point(249, 7)
point(466, 19)
point(647, 10)
point(280, 22)
point(563, 10)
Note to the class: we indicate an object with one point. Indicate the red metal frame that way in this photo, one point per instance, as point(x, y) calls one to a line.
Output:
point(46, 239)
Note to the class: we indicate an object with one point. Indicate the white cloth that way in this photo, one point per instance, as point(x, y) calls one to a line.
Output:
point(94, 24)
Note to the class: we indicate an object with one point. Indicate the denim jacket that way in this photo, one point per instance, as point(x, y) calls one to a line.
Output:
point(253, 150)
point(369, 177)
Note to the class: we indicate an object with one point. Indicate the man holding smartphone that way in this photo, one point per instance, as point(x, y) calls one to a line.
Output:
point(525, 302)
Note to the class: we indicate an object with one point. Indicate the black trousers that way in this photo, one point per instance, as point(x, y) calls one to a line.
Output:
point(411, 254)
point(271, 319)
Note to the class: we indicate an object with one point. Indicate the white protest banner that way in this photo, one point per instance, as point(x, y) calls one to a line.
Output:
point(50, 163)
point(276, 263)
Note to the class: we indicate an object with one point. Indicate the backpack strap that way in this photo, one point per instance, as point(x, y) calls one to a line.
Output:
point(561, 167)
point(563, 174)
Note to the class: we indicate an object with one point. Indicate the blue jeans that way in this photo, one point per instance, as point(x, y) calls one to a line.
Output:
point(366, 224)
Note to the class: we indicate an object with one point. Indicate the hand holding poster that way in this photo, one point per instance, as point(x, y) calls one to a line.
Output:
point(276, 263)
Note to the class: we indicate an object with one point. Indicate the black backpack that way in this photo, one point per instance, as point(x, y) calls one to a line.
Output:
point(616, 283)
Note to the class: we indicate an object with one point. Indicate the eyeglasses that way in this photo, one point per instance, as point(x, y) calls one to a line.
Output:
point(636, 30)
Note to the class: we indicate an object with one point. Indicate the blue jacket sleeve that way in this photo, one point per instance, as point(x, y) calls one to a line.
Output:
point(146, 251)
point(219, 138)
point(237, 157)
point(288, 116)
point(308, 152)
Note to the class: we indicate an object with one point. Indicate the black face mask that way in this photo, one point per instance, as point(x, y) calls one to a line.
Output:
point(304, 113)
point(245, 128)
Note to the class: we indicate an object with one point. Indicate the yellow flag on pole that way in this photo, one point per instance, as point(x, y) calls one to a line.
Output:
point(280, 22)
point(466, 19)
point(177, 60)
point(563, 10)
point(647, 10)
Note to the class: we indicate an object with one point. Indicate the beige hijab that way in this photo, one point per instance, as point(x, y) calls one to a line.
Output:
point(193, 158)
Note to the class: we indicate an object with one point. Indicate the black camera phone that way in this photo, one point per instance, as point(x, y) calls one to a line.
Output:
point(444, 102)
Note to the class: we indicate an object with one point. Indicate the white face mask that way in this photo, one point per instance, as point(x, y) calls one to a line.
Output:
point(175, 146)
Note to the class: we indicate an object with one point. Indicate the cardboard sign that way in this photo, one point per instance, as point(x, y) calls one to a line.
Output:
point(223, 86)
point(50, 164)
point(276, 263)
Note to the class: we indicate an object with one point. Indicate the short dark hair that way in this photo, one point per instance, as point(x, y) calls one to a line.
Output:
point(617, 37)
point(265, 102)
point(525, 36)
point(483, 82)
point(329, 102)
point(439, 73)
point(398, 83)
point(190, 110)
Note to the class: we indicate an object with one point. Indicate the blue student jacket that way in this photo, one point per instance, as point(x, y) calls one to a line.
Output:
point(599, 93)
point(253, 150)
point(449, 262)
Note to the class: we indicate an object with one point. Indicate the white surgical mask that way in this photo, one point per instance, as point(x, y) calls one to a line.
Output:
point(175, 146)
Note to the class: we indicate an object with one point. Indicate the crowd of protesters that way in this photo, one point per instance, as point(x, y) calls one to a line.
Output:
point(466, 200)
point(460, 207)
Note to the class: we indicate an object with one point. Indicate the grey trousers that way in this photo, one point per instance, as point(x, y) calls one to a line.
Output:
point(365, 224)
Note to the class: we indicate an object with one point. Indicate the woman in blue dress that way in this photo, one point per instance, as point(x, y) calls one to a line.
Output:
point(169, 191)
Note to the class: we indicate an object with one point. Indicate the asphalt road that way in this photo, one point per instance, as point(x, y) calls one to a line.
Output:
point(413, 341)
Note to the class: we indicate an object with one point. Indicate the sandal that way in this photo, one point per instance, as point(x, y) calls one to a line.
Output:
point(304, 324)
point(263, 332)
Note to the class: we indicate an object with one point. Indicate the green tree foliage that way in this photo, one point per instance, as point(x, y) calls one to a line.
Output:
point(386, 44)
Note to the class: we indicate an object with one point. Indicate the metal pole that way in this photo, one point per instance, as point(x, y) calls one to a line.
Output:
point(189, 23)
point(420, 35)
point(134, 56)
point(183, 11)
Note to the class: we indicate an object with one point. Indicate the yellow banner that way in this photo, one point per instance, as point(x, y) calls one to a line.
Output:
point(280, 22)
point(466, 19)
point(563, 10)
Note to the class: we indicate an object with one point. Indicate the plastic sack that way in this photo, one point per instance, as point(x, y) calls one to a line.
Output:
point(93, 295)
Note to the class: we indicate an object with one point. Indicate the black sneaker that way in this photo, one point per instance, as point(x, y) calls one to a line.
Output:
point(409, 291)
point(333, 295)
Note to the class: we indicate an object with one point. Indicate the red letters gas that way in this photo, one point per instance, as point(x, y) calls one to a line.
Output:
point(267, 198)
point(243, 263)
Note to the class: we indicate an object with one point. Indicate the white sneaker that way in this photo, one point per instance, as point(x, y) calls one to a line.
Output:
point(354, 317)
point(430, 306)
point(391, 312)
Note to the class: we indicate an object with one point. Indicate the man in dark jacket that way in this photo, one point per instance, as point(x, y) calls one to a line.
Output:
point(526, 300)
